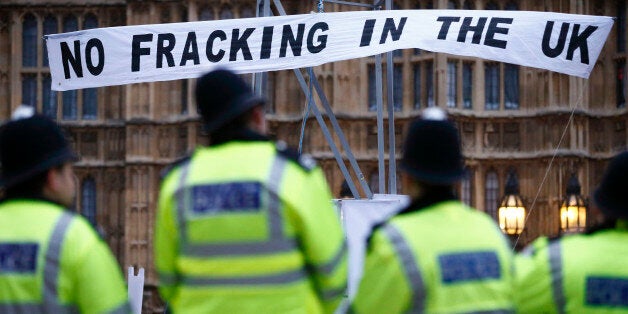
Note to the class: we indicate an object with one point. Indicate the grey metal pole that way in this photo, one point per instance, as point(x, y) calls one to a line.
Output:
point(337, 129)
point(260, 79)
point(392, 162)
point(380, 124)
point(328, 136)
point(343, 139)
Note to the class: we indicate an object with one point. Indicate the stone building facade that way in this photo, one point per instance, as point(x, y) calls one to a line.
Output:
point(543, 126)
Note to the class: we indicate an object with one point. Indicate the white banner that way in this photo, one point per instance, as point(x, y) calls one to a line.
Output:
point(564, 43)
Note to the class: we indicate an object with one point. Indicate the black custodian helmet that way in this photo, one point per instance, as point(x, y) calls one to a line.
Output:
point(432, 152)
point(30, 146)
point(610, 196)
point(222, 96)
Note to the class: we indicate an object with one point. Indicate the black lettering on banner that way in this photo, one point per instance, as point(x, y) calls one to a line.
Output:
point(218, 34)
point(190, 51)
point(444, 29)
point(67, 58)
point(322, 39)
point(164, 50)
point(560, 43)
point(494, 29)
point(467, 27)
point(137, 50)
point(95, 69)
point(295, 43)
point(240, 43)
point(579, 41)
point(267, 42)
point(390, 28)
point(367, 32)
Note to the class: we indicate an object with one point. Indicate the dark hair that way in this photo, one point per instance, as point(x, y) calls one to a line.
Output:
point(31, 188)
point(233, 128)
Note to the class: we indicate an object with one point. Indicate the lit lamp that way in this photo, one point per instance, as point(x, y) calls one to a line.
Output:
point(573, 210)
point(511, 211)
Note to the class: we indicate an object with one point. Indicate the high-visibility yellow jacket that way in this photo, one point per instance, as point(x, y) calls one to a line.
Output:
point(444, 258)
point(585, 273)
point(52, 261)
point(244, 228)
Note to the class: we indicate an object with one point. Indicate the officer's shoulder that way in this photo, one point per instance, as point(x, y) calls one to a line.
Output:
point(305, 161)
point(541, 244)
point(377, 227)
point(173, 166)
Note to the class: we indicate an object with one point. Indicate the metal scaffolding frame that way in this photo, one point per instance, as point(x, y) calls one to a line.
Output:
point(259, 85)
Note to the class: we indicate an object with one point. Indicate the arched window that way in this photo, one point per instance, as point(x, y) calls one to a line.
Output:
point(492, 6)
point(29, 59)
point(247, 12)
point(491, 86)
point(29, 90)
point(70, 23)
point(620, 82)
point(398, 87)
point(372, 88)
point(50, 27)
point(511, 86)
point(29, 41)
point(88, 200)
point(511, 6)
point(70, 99)
point(452, 87)
point(466, 193)
point(206, 14)
point(491, 188)
point(467, 85)
point(49, 107)
point(621, 26)
point(416, 73)
point(90, 95)
point(91, 21)
point(226, 13)
point(374, 181)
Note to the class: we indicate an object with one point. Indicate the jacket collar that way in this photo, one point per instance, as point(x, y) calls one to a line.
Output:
point(241, 135)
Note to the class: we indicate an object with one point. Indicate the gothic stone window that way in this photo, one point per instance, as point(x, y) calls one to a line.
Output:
point(88, 200)
point(35, 73)
point(491, 193)
point(466, 187)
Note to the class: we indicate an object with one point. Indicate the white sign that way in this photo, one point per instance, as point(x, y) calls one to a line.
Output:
point(565, 43)
point(359, 217)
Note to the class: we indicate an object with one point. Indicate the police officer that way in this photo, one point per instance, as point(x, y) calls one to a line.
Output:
point(583, 273)
point(437, 255)
point(51, 261)
point(245, 225)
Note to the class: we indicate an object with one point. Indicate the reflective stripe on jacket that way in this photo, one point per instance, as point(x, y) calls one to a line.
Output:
point(243, 229)
point(445, 258)
point(575, 274)
point(53, 262)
